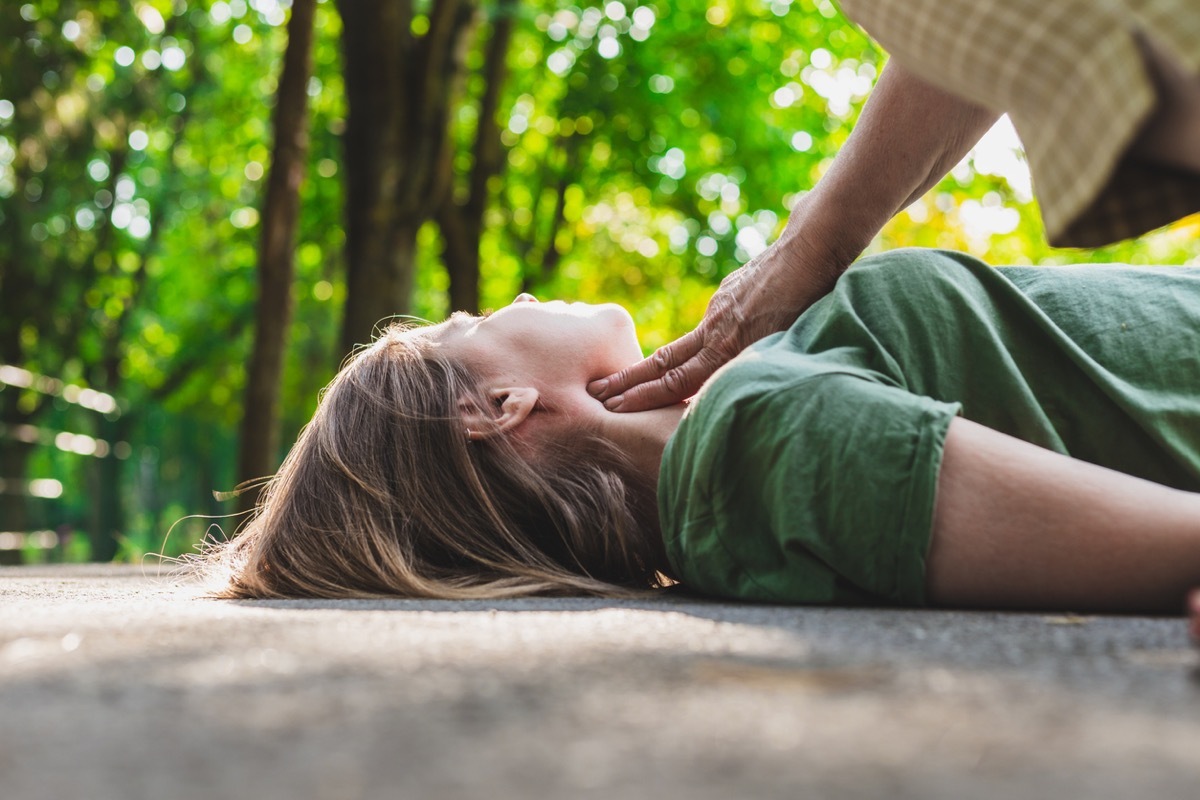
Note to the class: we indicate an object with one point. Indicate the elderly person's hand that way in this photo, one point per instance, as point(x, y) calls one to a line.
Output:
point(761, 298)
point(908, 137)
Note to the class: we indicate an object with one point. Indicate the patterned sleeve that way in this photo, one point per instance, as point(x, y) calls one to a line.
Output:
point(1071, 76)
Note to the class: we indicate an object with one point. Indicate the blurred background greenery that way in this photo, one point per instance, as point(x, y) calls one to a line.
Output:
point(619, 151)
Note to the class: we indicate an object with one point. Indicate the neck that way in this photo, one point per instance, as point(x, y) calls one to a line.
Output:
point(642, 436)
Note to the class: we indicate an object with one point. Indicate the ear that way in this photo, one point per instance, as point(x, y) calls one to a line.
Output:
point(513, 406)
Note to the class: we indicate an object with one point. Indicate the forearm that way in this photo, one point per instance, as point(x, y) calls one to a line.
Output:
point(909, 135)
point(1017, 526)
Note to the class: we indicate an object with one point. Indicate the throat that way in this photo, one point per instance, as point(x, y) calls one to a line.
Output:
point(642, 437)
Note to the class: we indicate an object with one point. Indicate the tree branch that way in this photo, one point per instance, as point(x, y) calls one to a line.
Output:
point(489, 150)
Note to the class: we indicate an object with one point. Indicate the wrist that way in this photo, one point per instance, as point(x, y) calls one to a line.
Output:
point(821, 238)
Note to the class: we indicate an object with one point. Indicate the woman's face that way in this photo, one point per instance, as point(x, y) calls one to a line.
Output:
point(548, 343)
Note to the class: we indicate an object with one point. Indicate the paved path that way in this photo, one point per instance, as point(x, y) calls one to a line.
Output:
point(115, 685)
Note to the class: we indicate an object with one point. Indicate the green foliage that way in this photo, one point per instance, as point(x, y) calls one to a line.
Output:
point(651, 150)
point(671, 132)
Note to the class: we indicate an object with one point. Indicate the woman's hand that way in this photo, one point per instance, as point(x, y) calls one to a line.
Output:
point(759, 299)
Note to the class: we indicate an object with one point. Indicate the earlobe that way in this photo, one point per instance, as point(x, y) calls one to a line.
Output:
point(515, 404)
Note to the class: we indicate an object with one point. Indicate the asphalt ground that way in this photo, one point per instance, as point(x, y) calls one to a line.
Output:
point(117, 683)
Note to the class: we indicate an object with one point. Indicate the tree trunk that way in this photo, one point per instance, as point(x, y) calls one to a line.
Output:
point(400, 92)
point(14, 455)
point(260, 420)
point(462, 235)
point(461, 221)
point(376, 43)
point(380, 274)
point(108, 519)
point(13, 517)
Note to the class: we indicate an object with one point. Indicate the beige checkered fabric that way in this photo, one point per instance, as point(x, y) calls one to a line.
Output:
point(1072, 78)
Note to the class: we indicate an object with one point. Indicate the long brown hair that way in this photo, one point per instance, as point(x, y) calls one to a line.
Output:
point(383, 494)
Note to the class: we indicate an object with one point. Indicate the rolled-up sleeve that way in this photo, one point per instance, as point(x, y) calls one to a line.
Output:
point(824, 493)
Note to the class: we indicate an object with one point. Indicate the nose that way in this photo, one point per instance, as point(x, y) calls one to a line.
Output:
point(525, 297)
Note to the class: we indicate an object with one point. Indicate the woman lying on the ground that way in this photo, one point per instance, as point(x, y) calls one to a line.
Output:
point(933, 432)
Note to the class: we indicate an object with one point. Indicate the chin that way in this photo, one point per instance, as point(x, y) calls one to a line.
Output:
point(628, 345)
point(618, 337)
point(619, 314)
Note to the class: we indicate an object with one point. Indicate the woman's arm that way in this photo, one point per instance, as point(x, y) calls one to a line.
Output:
point(1018, 526)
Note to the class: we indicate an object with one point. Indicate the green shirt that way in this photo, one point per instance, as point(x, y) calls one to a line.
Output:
point(805, 470)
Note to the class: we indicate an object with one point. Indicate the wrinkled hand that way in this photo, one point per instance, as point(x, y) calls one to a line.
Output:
point(761, 298)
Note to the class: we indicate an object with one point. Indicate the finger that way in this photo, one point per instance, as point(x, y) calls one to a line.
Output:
point(658, 364)
point(675, 386)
